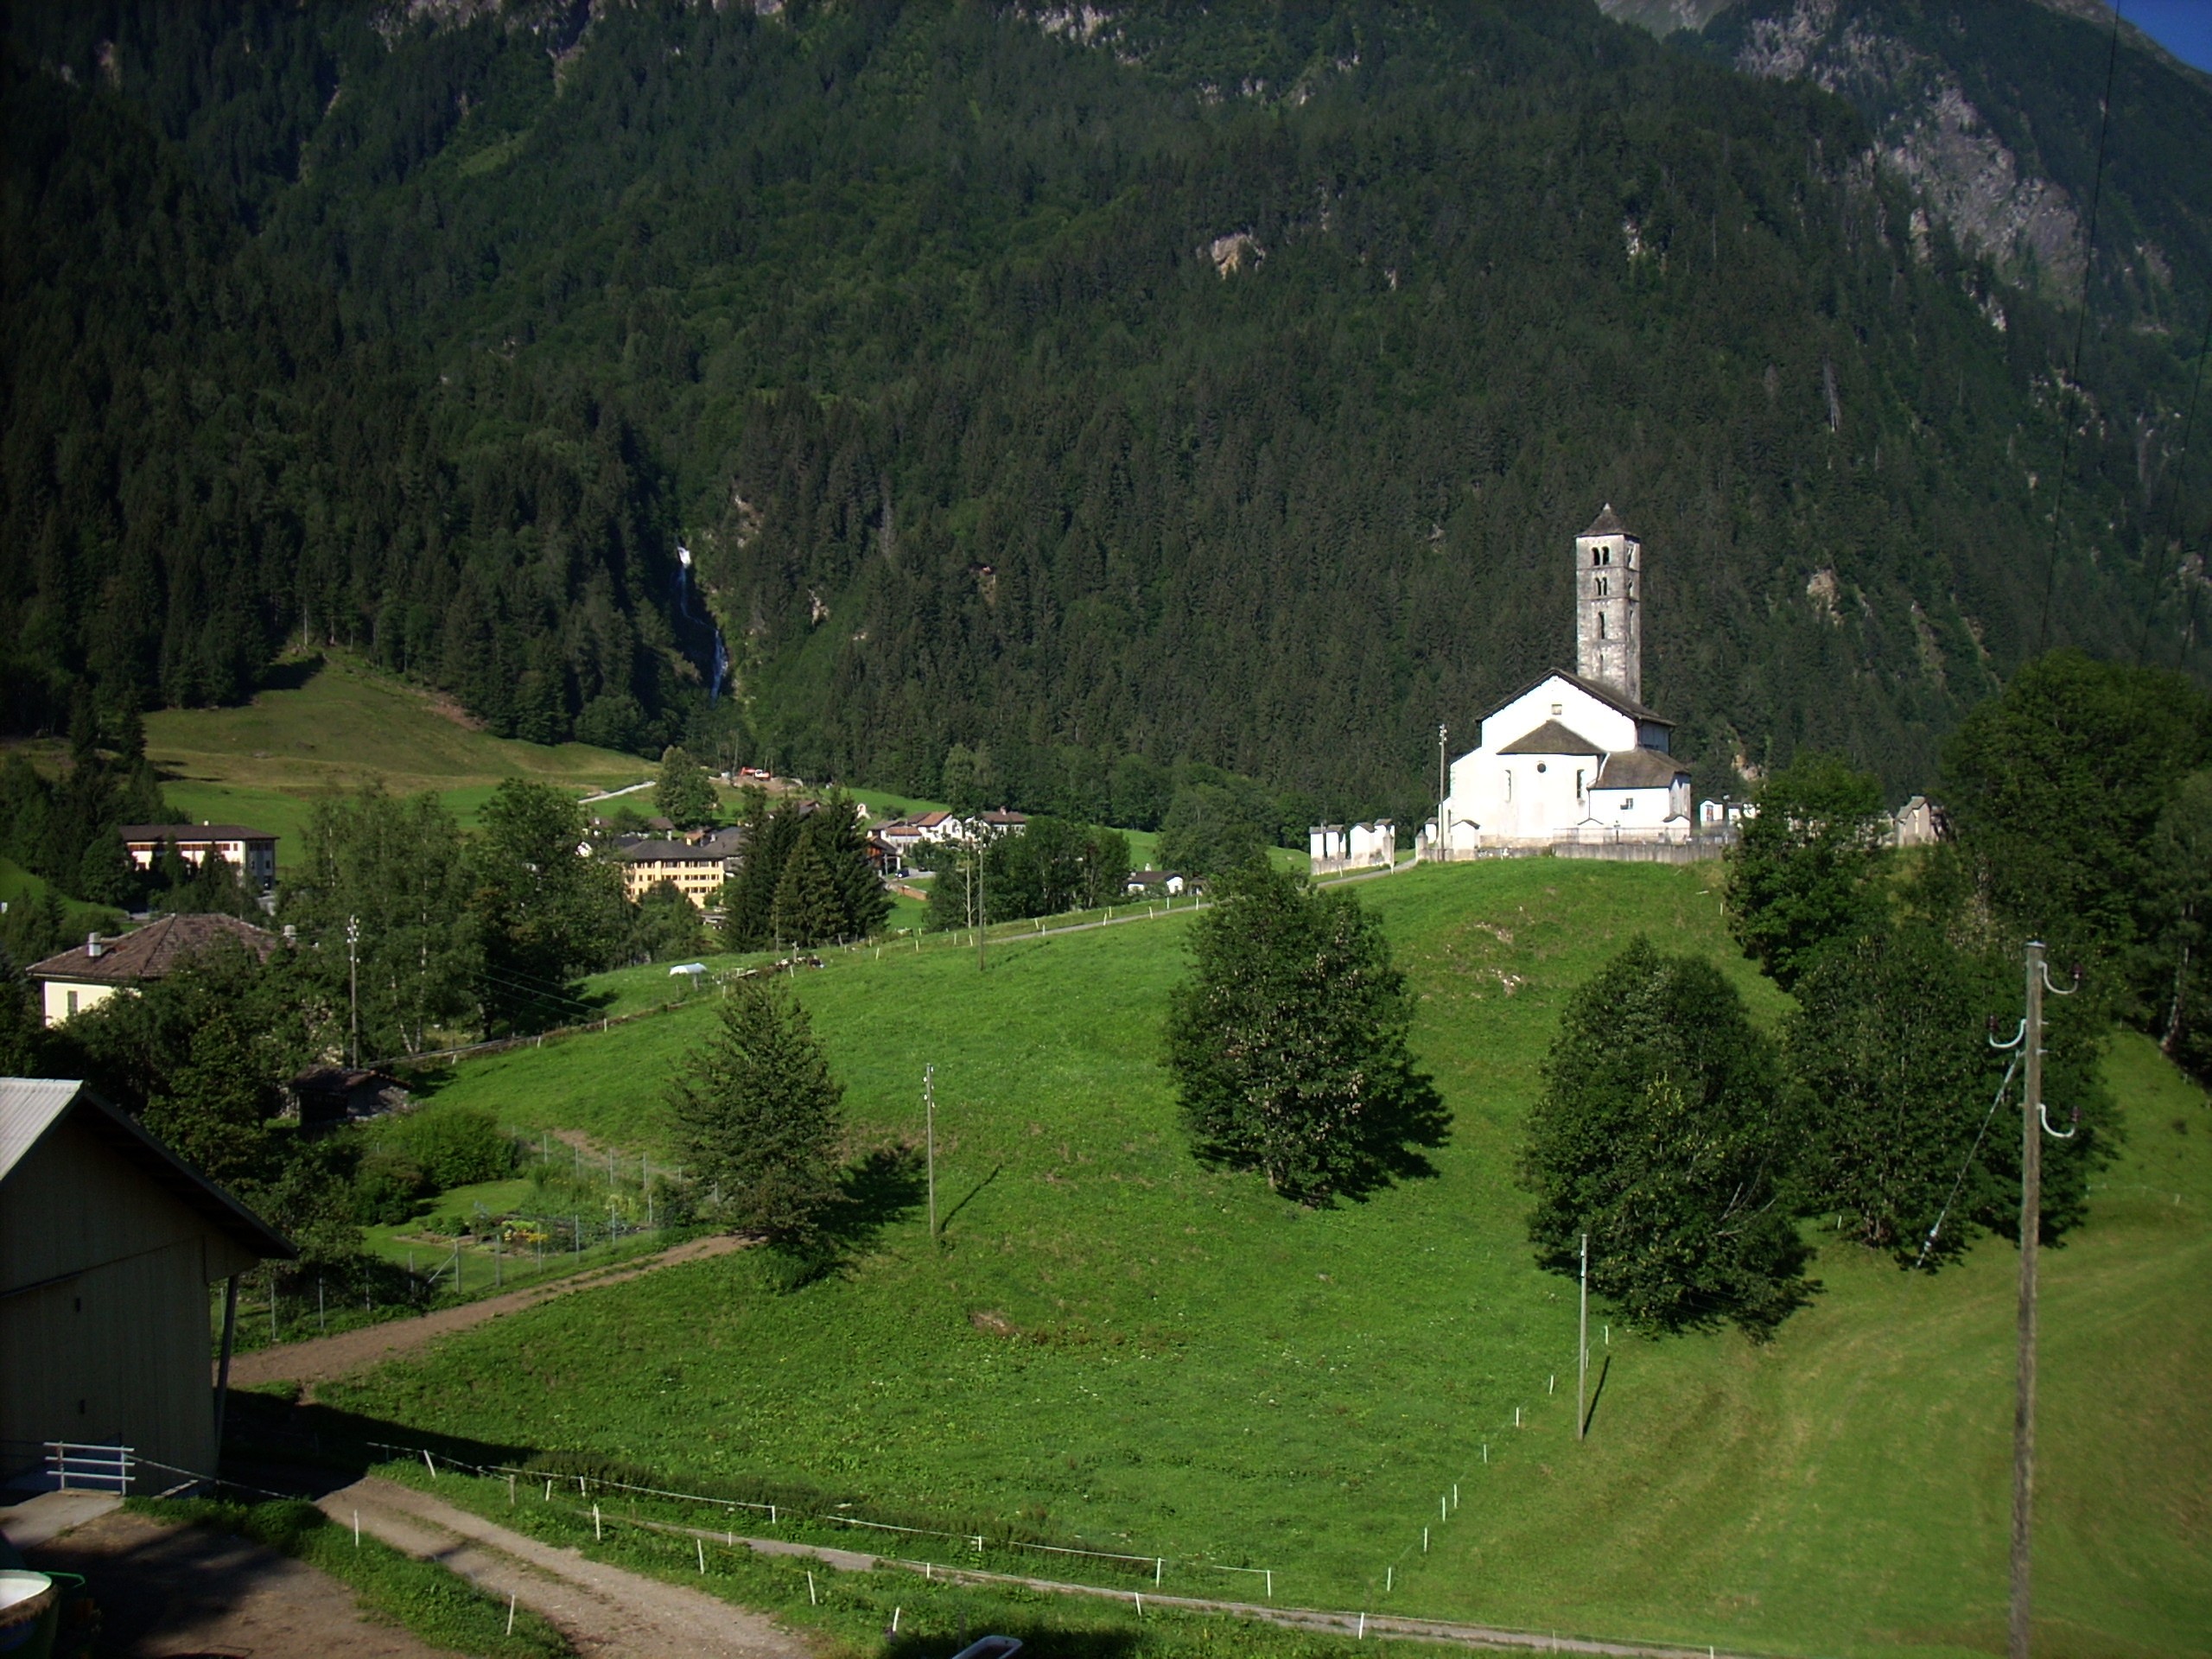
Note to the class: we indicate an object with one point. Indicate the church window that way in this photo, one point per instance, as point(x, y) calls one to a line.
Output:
point(1601, 625)
point(1603, 588)
point(1578, 783)
point(1508, 786)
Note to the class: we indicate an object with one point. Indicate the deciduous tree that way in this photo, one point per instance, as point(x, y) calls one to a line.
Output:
point(1656, 1137)
point(1802, 876)
point(1289, 1046)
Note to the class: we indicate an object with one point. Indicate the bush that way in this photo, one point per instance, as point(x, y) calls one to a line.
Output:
point(453, 1146)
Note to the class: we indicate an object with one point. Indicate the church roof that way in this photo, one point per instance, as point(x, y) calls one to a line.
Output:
point(1551, 738)
point(1607, 523)
point(1604, 693)
point(1638, 769)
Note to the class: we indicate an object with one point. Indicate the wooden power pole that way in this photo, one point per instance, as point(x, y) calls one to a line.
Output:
point(2024, 1402)
point(929, 1120)
point(1582, 1348)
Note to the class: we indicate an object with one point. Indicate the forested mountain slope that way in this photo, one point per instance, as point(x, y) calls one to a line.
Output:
point(1077, 383)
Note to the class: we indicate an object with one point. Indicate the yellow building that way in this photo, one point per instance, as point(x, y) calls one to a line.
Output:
point(698, 868)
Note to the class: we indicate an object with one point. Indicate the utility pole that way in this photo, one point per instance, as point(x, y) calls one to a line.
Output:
point(983, 921)
point(929, 1120)
point(353, 982)
point(1582, 1348)
point(2024, 1402)
point(2033, 1128)
point(1443, 788)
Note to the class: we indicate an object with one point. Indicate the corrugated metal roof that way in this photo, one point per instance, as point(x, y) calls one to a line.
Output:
point(28, 1109)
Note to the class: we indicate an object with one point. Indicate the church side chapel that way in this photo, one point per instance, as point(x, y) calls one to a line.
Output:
point(1575, 757)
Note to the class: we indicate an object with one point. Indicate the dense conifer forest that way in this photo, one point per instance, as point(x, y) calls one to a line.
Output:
point(1216, 388)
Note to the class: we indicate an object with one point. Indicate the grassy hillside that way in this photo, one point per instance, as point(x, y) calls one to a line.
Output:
point(338, 724)
point(1163, 1359)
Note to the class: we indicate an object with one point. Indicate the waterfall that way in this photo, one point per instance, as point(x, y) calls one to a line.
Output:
point(713, 649)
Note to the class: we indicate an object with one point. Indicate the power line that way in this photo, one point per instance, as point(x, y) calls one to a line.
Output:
point(2081, 327)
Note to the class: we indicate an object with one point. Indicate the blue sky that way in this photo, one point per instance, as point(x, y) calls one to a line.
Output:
point(2183, 27)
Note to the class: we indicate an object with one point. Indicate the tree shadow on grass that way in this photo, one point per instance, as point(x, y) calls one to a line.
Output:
point(1410, 1120)
point(290, 675)
point(886, 1185)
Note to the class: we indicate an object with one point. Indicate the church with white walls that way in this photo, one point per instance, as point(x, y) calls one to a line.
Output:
point(1575, 758)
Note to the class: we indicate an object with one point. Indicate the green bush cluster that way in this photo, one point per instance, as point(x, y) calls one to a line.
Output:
point(415, 1155)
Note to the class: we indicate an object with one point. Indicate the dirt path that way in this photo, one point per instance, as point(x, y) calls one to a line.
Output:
point(1352, 1623)
point(164, 1591)
point(600, 1609)
point(322, 1358)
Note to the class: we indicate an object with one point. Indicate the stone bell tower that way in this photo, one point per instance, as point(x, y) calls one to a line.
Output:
point(1609, 607)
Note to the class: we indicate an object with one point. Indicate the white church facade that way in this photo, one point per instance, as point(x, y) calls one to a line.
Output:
point(1574, 757)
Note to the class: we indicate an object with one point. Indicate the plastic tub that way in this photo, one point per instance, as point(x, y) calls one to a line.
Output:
point(30, 1607)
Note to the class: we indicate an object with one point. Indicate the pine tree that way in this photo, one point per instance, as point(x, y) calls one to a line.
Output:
point(758, 1117)
point(807, 910)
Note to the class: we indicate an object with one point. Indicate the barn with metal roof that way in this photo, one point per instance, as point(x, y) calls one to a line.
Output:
point(108, 1244)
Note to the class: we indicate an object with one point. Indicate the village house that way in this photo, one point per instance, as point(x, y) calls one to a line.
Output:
point(908, 835)
point(1333, 846)
point(697, 869)
point(1575, 758)
point(87, 975)
point(249, 852)
point(108, 1244)
point(1153, 884)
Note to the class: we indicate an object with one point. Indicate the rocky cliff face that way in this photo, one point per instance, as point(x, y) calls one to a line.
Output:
point(1993, 113)
point(1927, 129)
point(1929, 133)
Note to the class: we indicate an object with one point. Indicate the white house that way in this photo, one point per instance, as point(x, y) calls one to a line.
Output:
point(1331, 846)
point(1575, 757)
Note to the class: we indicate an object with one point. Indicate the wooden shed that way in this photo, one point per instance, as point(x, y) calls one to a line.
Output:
point(108, 1243)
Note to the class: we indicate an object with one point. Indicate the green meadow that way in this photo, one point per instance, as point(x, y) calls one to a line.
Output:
point(331, 726)
point(1115, 1345)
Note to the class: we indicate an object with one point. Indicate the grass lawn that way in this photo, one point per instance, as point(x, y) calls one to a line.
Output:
point(18, 884)
point(345, 724)
point(1123, 1346)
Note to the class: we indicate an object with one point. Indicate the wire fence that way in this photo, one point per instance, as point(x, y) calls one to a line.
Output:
point(787, 1514)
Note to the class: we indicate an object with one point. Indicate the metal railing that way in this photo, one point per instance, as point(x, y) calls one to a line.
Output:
point(76, 1467)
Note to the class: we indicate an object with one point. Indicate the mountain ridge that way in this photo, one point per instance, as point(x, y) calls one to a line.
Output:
point(911, 325)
